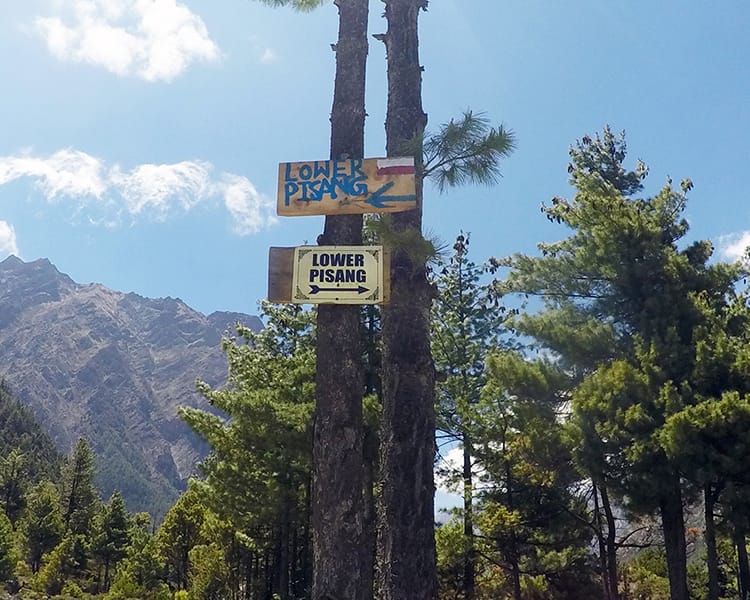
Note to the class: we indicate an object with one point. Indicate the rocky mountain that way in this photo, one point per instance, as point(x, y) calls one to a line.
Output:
point(113, 368)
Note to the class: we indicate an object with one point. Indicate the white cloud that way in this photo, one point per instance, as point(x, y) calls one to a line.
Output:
point(155, 40)
point(157, 191)
point(157, 187)
point(268, 56)
point(250, 210)
point(449, 472)
point(733, 246)
point(8, 242)
point(64, 173)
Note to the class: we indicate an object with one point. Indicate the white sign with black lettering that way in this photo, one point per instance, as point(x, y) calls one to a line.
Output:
point(338, 275)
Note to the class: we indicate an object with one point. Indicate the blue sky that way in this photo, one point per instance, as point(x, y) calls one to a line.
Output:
point(140, 138)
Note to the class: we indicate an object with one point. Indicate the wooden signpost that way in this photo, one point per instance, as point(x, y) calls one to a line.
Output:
point(345, 187)
point(329, 275)
point(338, 274)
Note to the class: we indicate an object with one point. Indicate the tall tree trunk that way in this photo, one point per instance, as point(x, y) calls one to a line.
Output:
point(406, 542)
point(515, 577)
point(712, 557)
point(282, 559)
point(339, 548)
point(599, 530)
point(611, 543)
point(106, 575)
point(743, 566)
point(673, 527)
point(307, 537)
point(371, 512)
point(469, 556)
point(371, 443)
point(512, 549)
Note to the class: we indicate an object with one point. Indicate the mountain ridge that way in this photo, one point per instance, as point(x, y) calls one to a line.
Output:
point(111, 367)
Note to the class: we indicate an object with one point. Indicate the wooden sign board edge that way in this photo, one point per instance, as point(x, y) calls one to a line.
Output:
point(281, 275)
point(354, 208)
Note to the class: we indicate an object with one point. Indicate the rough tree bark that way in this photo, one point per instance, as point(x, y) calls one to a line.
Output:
point(712, 556)
point(611, 574)
point(406, 542)
point(607, 544)
point(342, 569)
point(600, 542)
point(743, 567)
point(673, 526)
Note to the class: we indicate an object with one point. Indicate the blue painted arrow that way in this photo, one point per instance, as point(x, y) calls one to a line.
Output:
point(378, 197)
point(314, 289)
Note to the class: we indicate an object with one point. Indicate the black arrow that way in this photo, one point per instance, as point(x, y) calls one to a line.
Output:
point(314, 289)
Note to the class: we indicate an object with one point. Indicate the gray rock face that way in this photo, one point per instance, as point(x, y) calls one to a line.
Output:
point(113, 368)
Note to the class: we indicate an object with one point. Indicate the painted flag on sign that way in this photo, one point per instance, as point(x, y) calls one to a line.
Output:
point(396, 166)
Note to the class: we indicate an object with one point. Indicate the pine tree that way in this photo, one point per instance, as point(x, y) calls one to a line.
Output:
point(622, 265)
point(178, 535)
point(406, 528)
point(59, 566)
point(258, 475)
point(42, 523)
point(112, 537)
point(13, 480)
point(80, 497)
point(7, 549)
point(343, 561)
point(338, 488)
point(529, 514)
point(465, 328)
point(140, 573)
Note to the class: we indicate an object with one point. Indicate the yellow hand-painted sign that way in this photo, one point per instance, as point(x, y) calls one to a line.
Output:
point(351, 186)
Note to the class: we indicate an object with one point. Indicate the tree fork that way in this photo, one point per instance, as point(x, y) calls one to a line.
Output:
point(342, 569)
point(406, 540)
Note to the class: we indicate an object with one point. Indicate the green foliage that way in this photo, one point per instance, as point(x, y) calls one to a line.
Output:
point(420, 250)
point(601, 158)
point(465, 150)
point(258, 473)
point(71, 590)
point(80, 497)
point(112, 536)
point(208, 573)
point(466, 325)
point(125, 587)
point(142, 566)
point(13, 482)
point(710, 440)
point(179, 533)
point(451, 546)
point(301, 5)
point(637, 317)
point(645, 576)
point(20, 431)
point(59, 565)
point(529, 514)
point(7, 550)
point(42, 525)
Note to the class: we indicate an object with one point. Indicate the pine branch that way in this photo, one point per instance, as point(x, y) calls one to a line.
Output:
point(464, 151)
